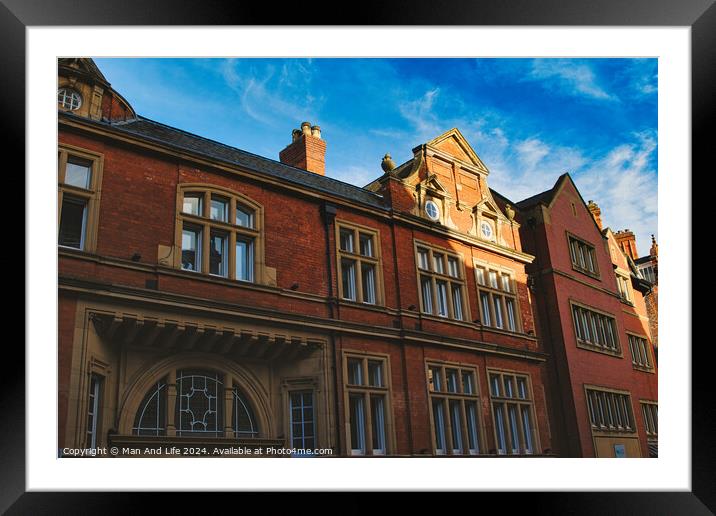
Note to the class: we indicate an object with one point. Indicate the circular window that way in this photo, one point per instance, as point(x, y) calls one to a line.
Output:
point(486, 229)
point(432, 210)
point(69, 99)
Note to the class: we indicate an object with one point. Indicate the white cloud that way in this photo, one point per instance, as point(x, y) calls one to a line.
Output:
point(621, 179)
point(357, 175)
point(273, 97)
point(573, 78)
point(625, 187)
point(421, 115)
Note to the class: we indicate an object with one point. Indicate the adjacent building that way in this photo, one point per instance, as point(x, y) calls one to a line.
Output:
point(593, 322)
point(210, 297)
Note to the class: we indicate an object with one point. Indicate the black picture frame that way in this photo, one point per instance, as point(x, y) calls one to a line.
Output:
point(699, 15)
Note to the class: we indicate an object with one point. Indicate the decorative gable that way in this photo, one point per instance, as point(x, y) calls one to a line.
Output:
point(454, 144)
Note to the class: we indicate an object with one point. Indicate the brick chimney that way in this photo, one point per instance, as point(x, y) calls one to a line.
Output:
point(627, 243)
point(306, 150)
point(596, 213)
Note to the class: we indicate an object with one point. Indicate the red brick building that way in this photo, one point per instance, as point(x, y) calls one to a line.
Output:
point(210, 297)
point(593, 323)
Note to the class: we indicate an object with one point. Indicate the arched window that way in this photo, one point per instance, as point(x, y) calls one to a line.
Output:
point(69, 99)
point(199, 408)
point(220, 233)
point(151, 416)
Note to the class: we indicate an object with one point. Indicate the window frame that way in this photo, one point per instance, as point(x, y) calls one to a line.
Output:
point(583, 344)
point(376, 261)
point(652, 436)
point(520, 403)
point(302, 391)
point(596, 274)
point(91, 195)
point(647, 350)
point(624, 287)
point(233, 232)
point(446, 398)
point(492, 292)
point(367, 393)
point(605, 431)
point(94, 409)
point(443, 277)
point(71, 91)
point(230, 389)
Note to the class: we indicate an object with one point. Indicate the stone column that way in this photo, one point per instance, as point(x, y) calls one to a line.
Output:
point(171, 403)
point(228, 405)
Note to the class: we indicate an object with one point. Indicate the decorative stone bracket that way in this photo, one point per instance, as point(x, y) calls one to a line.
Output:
point(233, 342)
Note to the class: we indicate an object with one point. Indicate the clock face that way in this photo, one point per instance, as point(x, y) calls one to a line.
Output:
point(432, 210)
point(486, 229)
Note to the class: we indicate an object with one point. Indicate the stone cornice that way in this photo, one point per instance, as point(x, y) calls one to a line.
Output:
point(211, 308)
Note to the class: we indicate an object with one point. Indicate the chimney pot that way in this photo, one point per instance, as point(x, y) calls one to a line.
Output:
point(307, 150)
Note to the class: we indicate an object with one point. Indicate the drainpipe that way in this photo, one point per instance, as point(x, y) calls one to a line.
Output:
point(328, 214)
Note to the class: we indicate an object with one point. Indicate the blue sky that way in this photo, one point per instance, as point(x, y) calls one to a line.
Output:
point(529, 120)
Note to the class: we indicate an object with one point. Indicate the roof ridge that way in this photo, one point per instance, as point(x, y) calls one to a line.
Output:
point(193, 135)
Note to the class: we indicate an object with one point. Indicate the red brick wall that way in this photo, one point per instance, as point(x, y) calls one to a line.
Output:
point(137, 213)
point(67, 308)
point(574, 367)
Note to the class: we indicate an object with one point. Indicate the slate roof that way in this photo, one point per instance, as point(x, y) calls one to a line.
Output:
point(644, 259)
point(542, 197)
point(156, 132)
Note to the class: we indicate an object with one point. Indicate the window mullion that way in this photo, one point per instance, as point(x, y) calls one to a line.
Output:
point(522, 438)
point(60, 200)
point(62, 167)
point(466, 436)
point(205, 251)
point(434, 294)
point(232, 255)
point(507, 424)
point(493, 319)
point(448, 426)
point(359, 279)
point(450, 310)
point(368, 427)
point(206, 206)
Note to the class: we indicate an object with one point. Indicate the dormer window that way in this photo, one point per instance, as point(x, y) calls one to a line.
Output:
point(69, 99)
point(486, 230)
point(432, 210)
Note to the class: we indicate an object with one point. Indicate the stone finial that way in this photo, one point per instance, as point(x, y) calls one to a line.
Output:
point(654, 251)
point(387, 164)
point(509, 212)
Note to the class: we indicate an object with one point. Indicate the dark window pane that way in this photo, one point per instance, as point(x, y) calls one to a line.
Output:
point(191, 249)
point(218, 257)
point(72, 222)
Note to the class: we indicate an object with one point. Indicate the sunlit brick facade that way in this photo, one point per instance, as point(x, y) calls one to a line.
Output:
point(210, 297)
